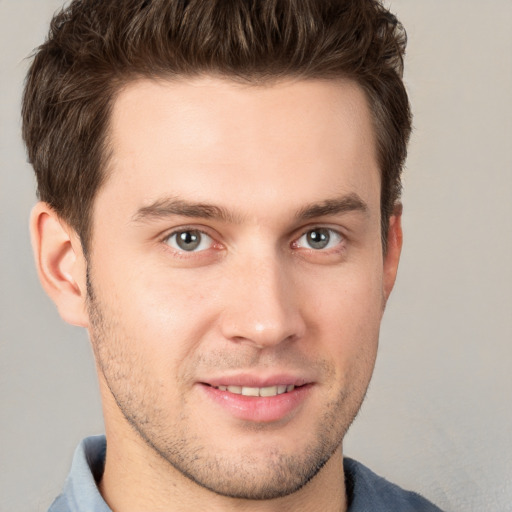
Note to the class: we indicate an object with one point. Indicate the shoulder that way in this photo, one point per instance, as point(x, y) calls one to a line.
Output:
point(80, 493)
point(367, 492)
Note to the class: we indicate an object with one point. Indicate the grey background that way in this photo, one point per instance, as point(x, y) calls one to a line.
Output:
point(438, 417)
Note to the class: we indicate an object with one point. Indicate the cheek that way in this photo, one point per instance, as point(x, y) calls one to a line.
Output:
point(348, 311)
point(158, 316)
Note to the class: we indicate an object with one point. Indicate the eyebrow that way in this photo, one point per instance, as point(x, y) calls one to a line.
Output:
point(164, 208)
point(339, 205)
point(168, 207)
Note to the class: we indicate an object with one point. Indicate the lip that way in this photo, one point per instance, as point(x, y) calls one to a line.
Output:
point(257, 409)
point(252, 381)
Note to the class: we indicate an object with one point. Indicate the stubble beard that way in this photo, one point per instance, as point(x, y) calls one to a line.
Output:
point(242, 475)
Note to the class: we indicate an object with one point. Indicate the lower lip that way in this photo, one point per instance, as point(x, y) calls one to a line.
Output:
point(263, 409)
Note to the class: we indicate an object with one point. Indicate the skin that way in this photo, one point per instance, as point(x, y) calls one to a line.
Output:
point(256, 300)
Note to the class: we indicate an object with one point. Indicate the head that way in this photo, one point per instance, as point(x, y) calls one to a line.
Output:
point(95, 48)
point(224, 180)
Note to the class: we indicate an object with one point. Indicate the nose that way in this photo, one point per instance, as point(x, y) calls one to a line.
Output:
point(262, 305)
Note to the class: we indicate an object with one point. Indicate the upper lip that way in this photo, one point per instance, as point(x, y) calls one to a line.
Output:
point(257, 381)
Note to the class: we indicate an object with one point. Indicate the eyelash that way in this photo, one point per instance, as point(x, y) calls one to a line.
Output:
point(183, 230)
point(180, 252)
point(339, 239)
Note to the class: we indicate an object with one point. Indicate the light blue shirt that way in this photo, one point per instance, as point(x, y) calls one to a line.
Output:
point(366, 491)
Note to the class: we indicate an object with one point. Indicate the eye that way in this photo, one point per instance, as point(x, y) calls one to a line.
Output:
point(319, 239)
point(189, 240)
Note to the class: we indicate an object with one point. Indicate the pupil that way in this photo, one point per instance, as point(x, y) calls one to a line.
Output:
point(318, 238)
point(188, 240)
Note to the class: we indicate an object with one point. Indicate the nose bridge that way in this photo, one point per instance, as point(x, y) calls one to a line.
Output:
point(263, 307)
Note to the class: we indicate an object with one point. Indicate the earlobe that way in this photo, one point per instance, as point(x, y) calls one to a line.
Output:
point(60, 263)
point(393, 250)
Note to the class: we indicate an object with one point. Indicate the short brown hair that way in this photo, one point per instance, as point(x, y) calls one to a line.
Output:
point(94, 47)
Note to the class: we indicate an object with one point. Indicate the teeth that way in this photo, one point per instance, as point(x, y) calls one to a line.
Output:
point(250, 391)
point(267, 391)
point(270, 391)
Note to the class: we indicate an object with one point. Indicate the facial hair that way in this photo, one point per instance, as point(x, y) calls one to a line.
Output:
point(243, 474)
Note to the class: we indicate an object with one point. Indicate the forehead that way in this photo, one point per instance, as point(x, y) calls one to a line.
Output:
point(211, 138)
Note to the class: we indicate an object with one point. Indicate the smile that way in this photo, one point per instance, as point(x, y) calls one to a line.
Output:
point(274, 401)
point(250, 391)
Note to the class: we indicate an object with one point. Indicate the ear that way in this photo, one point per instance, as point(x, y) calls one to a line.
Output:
point(393, 250)
point(60, 263)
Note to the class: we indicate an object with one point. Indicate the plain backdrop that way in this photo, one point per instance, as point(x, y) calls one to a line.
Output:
point(438, 417)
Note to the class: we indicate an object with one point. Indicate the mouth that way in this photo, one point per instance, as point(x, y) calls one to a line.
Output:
point(274, 401)
point(267, 391)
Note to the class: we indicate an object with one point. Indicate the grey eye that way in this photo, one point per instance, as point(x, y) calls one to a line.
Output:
point(189, 240)
point(319, 238)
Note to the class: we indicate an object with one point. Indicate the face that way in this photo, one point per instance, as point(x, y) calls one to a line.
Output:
point(236, 276)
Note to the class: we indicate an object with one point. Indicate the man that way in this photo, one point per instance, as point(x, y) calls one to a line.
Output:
point(219, 186)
